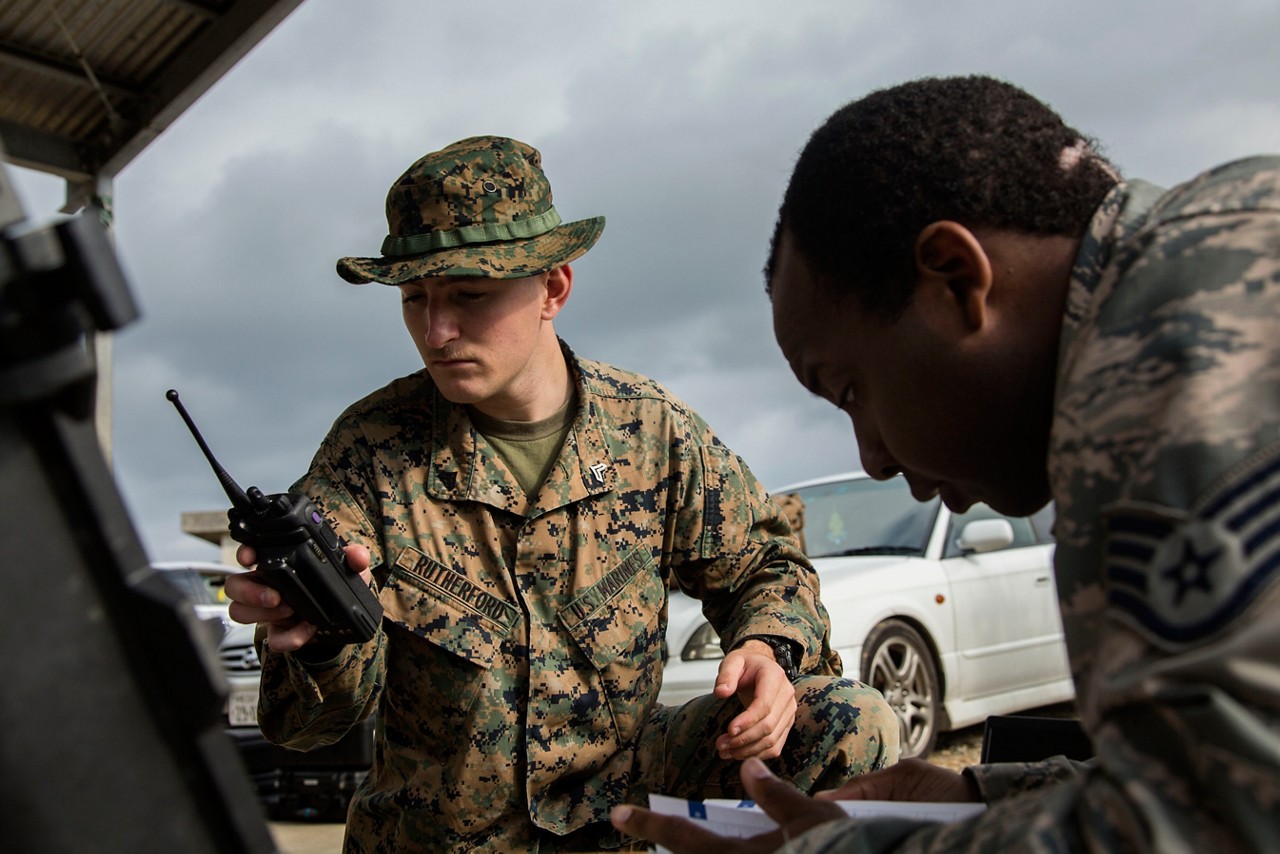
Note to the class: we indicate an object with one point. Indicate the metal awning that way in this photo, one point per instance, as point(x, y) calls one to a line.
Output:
point(85, 85)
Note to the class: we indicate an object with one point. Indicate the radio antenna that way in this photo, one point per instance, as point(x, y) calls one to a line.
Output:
point(229, 485)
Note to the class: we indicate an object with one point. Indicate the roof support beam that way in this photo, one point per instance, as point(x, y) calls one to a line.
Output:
point(65, 71)
point(203, 10)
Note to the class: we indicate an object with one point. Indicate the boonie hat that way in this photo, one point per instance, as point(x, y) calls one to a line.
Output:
point(479, 207)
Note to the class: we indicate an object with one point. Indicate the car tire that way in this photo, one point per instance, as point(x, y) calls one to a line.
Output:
point(898, 663)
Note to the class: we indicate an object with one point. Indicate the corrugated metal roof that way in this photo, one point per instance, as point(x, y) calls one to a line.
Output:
point(86, 84)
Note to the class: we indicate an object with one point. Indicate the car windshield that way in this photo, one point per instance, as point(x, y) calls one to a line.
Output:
point(860, 516)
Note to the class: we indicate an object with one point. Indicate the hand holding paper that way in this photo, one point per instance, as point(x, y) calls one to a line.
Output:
point(782, 813)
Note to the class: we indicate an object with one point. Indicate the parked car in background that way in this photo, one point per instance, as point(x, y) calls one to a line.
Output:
point(953, 617)
point(243, 670)
point(201, 584)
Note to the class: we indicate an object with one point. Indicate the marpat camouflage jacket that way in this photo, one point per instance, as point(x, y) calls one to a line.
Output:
point(522, 646)
point(1165, 466)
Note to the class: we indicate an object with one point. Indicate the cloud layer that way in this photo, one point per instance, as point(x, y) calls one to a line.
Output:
point(677, 121)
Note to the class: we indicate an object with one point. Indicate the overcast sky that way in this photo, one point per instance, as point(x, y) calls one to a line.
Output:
point(678, 121)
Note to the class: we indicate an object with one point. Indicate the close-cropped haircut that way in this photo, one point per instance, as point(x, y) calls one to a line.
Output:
point(975, 150)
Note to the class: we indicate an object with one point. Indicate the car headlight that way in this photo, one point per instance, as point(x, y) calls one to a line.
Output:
point(703, 645)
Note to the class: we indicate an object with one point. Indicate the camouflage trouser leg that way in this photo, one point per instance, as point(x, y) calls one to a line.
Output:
point(843, 728)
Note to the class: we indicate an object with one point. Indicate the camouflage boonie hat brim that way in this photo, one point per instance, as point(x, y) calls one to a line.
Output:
point(480, 207)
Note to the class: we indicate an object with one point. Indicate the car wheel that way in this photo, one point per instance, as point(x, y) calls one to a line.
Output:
point(897, 662)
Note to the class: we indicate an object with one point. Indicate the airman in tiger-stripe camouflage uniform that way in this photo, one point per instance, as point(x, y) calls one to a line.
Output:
point(1047, 330)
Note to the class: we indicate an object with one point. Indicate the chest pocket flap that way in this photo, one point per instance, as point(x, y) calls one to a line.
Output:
point(445, 608)
point(620, 609)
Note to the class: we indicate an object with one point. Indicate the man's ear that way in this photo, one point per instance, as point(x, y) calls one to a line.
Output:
point(954, 273)
point(559, 286)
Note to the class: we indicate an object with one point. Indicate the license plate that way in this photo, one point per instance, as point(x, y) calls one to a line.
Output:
point(242, 707)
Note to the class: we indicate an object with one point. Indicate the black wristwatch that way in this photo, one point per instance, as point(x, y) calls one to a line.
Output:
point(782, 652)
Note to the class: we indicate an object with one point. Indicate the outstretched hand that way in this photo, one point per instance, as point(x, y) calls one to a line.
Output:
point(794, 812)
point(908, 780)
point(768, 696)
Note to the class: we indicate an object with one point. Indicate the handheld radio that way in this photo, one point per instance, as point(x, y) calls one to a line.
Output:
point(298, 554)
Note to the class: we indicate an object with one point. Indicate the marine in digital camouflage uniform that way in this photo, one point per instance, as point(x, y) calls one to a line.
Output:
point(1163, 458)
point(516, 671)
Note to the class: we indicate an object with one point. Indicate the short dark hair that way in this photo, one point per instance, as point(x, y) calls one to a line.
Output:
point(973, 149)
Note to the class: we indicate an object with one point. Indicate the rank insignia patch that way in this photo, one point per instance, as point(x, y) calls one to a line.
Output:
point(1181, 578)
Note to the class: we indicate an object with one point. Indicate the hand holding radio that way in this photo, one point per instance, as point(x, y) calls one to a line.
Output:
point(254, 602)
point(298, 555)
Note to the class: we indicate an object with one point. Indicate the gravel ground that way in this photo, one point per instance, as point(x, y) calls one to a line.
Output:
point(958, 750)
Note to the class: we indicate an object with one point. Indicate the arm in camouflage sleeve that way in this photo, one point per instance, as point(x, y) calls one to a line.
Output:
point(1000, 780)
point(1166, 465)
point(304, 702)
point(736, 553)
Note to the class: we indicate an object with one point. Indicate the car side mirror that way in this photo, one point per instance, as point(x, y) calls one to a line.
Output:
point(986, 535)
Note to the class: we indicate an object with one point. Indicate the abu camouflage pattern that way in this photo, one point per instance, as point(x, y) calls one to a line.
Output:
point(516, 671)
point(1165, 467)
point(479, 207)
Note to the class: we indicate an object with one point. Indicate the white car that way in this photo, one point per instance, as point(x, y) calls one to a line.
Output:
point(952, 617)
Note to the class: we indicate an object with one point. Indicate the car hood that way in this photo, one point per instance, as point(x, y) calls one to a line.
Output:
point(859, 575)
point(863, 563)
point(684, 613)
